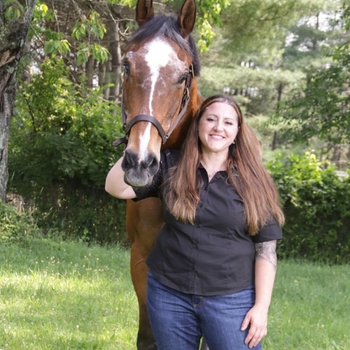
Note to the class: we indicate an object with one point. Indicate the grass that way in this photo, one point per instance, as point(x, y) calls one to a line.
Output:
point(61, 295)
point(310, 307)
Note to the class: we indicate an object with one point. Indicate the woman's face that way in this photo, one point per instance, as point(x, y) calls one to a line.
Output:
point(218, 128)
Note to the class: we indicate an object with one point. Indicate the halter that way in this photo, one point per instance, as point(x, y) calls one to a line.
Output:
point(149, 118)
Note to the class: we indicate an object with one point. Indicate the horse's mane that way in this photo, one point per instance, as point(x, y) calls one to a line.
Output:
point(162, 25)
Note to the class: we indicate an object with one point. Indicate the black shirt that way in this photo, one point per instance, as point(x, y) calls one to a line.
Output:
point(215, 256)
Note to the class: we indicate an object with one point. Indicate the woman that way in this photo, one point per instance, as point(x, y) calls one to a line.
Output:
point(213, 266)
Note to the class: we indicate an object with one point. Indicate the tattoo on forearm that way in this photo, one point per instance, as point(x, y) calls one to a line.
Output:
point(267, 251)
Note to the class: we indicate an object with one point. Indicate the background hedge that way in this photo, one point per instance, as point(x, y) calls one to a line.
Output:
point(317, 208)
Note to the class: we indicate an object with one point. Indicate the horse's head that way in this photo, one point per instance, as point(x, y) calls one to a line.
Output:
point(157, 79)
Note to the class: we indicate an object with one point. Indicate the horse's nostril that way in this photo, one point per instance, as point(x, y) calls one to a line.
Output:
point(129, 159)
point(153, 165)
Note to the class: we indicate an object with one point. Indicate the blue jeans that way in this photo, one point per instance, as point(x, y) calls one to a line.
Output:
point(179, 320)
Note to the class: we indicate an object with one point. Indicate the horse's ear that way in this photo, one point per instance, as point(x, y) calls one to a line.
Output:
point(144, 11)
point(187, 17)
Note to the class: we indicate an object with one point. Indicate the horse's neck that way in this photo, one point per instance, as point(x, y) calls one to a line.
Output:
point(200, 98)
point(178, 136)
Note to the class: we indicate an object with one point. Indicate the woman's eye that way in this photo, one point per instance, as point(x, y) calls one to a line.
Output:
point(229, 123)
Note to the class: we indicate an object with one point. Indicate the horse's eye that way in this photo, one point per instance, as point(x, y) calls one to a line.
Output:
point(182, 78)
point(126, 68)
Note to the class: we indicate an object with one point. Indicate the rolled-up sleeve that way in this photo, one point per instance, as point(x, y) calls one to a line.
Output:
point(270, 232)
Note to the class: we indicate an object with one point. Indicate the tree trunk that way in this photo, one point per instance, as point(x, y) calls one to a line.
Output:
point(13, 34)
point(101, 74)
point(90, 71)
point(115, 51)
point(336, 156)
point(103, 78)
point(317, 25)
point(279, 98)
point(274, 140)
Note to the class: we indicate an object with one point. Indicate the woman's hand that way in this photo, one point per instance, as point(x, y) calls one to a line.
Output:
point(257, 319)
point(115, 184)
point(265, 271)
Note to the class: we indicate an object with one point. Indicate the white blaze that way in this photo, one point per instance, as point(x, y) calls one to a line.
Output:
point(159, 54)
point(144, 139)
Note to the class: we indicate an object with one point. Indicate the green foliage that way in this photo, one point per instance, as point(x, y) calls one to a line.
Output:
point(16, 226)
point(60, 152)
point(89, 25)
point(43, 15)
point(317, 209)
point(210, 11)
point(98, 52)
point(14, 9)
point(265, 49)
point(60, 46)
point(85, 30)
point(321, 107)
point(254, 89)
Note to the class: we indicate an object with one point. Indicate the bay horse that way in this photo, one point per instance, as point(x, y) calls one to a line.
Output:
point(159, 101)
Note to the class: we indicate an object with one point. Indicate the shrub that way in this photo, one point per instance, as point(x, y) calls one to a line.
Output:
point(317, 208)
point(16, 226)
point(60, 152)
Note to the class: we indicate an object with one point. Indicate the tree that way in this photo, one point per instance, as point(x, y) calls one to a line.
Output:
point(250, 57)
point(264, 52)
point(15, 19)
point(321, 108)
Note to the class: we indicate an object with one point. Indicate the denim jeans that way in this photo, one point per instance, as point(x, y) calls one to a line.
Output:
point(179, 320)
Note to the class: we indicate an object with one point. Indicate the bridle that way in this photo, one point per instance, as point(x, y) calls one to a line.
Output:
point(149, 118)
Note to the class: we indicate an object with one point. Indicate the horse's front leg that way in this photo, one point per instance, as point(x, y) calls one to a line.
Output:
point(144, 221)
point(139, 270)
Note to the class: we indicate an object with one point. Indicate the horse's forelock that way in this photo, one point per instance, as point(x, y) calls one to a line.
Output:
point(162, 25)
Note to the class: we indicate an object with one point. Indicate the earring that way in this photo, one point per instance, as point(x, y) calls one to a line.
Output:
point(234, 141)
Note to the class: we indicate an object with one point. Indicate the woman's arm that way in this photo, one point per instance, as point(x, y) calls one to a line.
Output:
point(265, 271)
point(115, 184)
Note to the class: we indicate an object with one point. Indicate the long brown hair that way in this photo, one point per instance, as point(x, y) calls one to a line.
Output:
point(245, 172)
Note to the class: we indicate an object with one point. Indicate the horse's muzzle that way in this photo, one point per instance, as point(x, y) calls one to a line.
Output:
point(139, 172)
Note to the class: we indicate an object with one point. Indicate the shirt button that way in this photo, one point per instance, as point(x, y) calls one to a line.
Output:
point(192, 267)
point(205, 188)
point(195, 245)
point(200, 204)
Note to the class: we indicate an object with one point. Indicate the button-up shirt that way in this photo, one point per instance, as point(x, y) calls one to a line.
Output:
point(215, 255)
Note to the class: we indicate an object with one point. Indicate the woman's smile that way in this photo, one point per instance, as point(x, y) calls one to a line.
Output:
point(218, 128)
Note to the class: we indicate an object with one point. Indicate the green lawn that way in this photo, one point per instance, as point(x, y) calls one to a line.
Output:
point(60, 295)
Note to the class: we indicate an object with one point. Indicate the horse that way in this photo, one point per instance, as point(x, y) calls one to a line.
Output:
point(159, 101)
